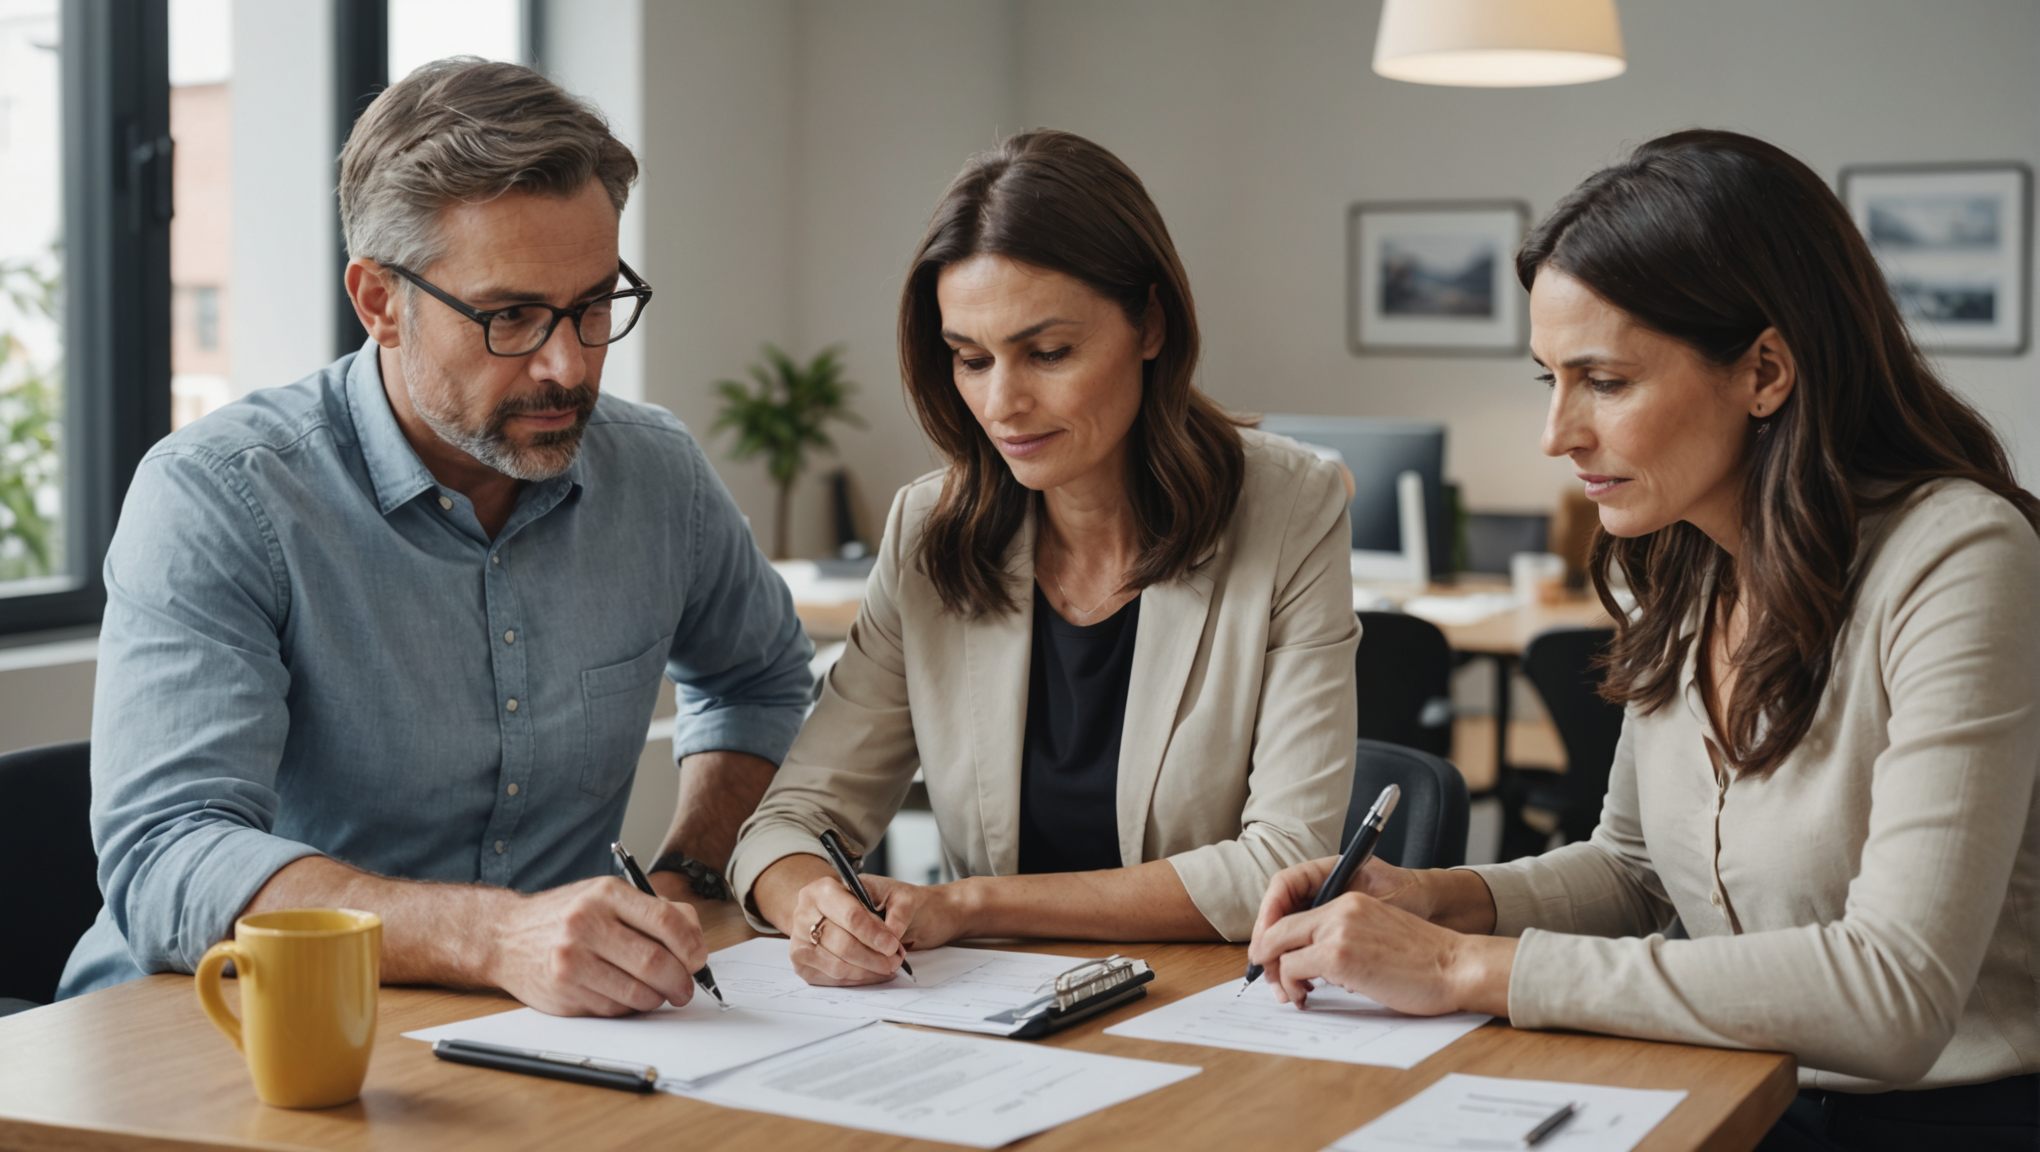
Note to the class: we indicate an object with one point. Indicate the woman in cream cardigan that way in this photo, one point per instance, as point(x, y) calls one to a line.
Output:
point(1826, 775)
point(1115, 634)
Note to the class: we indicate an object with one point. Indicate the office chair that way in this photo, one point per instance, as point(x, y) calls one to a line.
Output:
point(1560, 664)
point(46, 850)
point(1404, 674)
point(1428, 827)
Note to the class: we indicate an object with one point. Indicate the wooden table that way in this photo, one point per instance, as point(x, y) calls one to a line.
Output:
point(139, 1067)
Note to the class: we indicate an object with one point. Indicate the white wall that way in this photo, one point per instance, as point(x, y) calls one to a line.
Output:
point(802, 145)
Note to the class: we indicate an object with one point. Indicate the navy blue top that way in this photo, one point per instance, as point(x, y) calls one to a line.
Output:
point(1069, 771)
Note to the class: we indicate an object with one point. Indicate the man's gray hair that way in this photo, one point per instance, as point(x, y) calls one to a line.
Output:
point(463, 130)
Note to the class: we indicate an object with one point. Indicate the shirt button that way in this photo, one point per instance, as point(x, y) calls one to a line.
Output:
point(446, 503)
point(495, 559)
point(513, 789)
point(499, 847)
point(512, 705)
point(510, 637)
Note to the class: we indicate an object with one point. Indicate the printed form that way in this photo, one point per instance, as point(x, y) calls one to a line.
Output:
point(1335, 1025)
point(956, 989)
point(1485, 1112)
point(968, 1090)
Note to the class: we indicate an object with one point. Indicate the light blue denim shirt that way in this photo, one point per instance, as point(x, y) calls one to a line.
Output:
point(311, 647)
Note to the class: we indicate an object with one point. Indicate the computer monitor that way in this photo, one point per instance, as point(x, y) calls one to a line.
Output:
point(1378, 452)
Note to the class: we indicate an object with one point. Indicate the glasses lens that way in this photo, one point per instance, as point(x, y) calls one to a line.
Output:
point(516, 331)
point(610, 319)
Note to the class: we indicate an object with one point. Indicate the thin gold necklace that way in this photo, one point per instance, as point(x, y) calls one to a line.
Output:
point(1072, 601)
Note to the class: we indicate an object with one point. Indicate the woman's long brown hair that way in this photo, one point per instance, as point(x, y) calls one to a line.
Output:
point(1057, 201)
point(1710, 238)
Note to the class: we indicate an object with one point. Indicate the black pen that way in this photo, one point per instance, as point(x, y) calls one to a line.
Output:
point(1550, 1124)
point(705, 978)
point(1350, 860)
point(840, 857)
point(551, 1065)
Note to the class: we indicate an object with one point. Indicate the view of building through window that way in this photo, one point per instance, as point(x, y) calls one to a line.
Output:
point(31, 300)
point(201, 234)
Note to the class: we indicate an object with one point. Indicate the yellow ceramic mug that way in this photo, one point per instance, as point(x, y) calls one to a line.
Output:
point(308, 981)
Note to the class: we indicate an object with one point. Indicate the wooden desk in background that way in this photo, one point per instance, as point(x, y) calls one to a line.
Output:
point(139, 1067)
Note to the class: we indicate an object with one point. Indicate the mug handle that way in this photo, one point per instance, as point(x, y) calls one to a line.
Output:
point(208, 980)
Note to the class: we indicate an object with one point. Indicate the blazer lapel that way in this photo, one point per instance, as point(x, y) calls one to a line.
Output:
point(997, 651)
point(1172, 618)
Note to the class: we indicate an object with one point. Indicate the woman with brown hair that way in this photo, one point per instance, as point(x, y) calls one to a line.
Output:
point(1115, 633)
point(1826, 776)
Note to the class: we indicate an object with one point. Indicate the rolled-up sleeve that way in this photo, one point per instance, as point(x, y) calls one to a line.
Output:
point(1302, 769)
point(190, 711)
point(740, 658)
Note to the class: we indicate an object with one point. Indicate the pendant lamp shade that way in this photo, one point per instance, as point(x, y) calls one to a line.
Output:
point(1499, 43)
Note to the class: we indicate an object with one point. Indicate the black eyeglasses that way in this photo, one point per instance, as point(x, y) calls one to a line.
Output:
point(522, 329)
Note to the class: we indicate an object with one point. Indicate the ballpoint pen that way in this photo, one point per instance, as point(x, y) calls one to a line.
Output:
point(1550, 1124)
point(1356, 854)
point(551, 1065)
point(840, 857)
point(704, 977)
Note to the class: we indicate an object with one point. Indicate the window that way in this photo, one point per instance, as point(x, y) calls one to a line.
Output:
point(201, 233)
point(84, 289)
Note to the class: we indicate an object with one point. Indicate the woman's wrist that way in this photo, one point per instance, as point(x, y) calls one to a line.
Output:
point(1457, 898)
point(967, 901)
point(1478, 973)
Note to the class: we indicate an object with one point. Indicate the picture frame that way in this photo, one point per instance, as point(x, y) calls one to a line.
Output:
point(1956, 245)
point(1435, 278)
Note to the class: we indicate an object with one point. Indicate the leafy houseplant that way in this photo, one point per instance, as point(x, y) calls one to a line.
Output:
point(782, 417)
point(31, 397)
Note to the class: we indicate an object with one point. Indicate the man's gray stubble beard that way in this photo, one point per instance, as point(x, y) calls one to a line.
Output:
point(550, 453)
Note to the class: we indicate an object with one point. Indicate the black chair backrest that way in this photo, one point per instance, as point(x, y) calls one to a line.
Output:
point(1560, 664)
point(1428, 828)
point(1404, 674)
point(46, 855)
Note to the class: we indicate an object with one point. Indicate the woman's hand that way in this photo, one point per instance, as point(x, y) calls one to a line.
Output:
point(854, 947)
point(1368, 945)
point(1295, 887)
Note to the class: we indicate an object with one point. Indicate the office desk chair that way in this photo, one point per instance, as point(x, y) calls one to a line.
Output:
point(1560, 664)
point(1428, 827)
point(46, 851)
point(1404, 675)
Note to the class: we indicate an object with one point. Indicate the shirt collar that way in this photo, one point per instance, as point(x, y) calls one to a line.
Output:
point(394, 469)
point(393, 465)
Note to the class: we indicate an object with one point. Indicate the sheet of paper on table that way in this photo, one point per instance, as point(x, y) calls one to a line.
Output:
point(685, 1044)
point(954, 988)
point(1472, 1112)
point(1336, 1025)
point(968, 1090)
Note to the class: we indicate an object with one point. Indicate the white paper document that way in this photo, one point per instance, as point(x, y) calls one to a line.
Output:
point(685, 1044)
point(953, 988)
point(1489, 1112)
point(1335, 1025)
point(929, 1086)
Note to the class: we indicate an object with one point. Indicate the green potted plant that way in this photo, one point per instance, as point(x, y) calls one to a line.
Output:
point(31, 401)
point(782, 417)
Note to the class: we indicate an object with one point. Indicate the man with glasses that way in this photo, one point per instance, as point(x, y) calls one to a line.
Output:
point(389, 638)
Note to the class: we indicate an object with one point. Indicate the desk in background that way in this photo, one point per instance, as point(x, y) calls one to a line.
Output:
point(139, 1067)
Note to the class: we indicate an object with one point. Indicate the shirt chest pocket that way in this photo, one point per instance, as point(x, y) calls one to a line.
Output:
point(616, 706)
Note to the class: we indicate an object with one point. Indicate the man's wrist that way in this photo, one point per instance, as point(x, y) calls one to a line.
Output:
point(707, 883)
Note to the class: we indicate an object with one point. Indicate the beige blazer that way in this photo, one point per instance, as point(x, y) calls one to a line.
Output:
point(1236, 758)
point(1872, 907)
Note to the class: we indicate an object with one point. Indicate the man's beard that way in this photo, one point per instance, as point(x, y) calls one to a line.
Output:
point(544, 456)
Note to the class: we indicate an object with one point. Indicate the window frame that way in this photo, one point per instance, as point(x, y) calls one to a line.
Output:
point(114, 64)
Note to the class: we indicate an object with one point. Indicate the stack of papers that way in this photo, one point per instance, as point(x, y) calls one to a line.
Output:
point(1459, 610)
point(930, 1086)
point(1462, 1111)
point(1334, 1025)
point(955, 988)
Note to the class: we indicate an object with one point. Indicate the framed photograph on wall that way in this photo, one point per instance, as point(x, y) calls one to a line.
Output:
point(1435, 278)
point(1956, 245)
